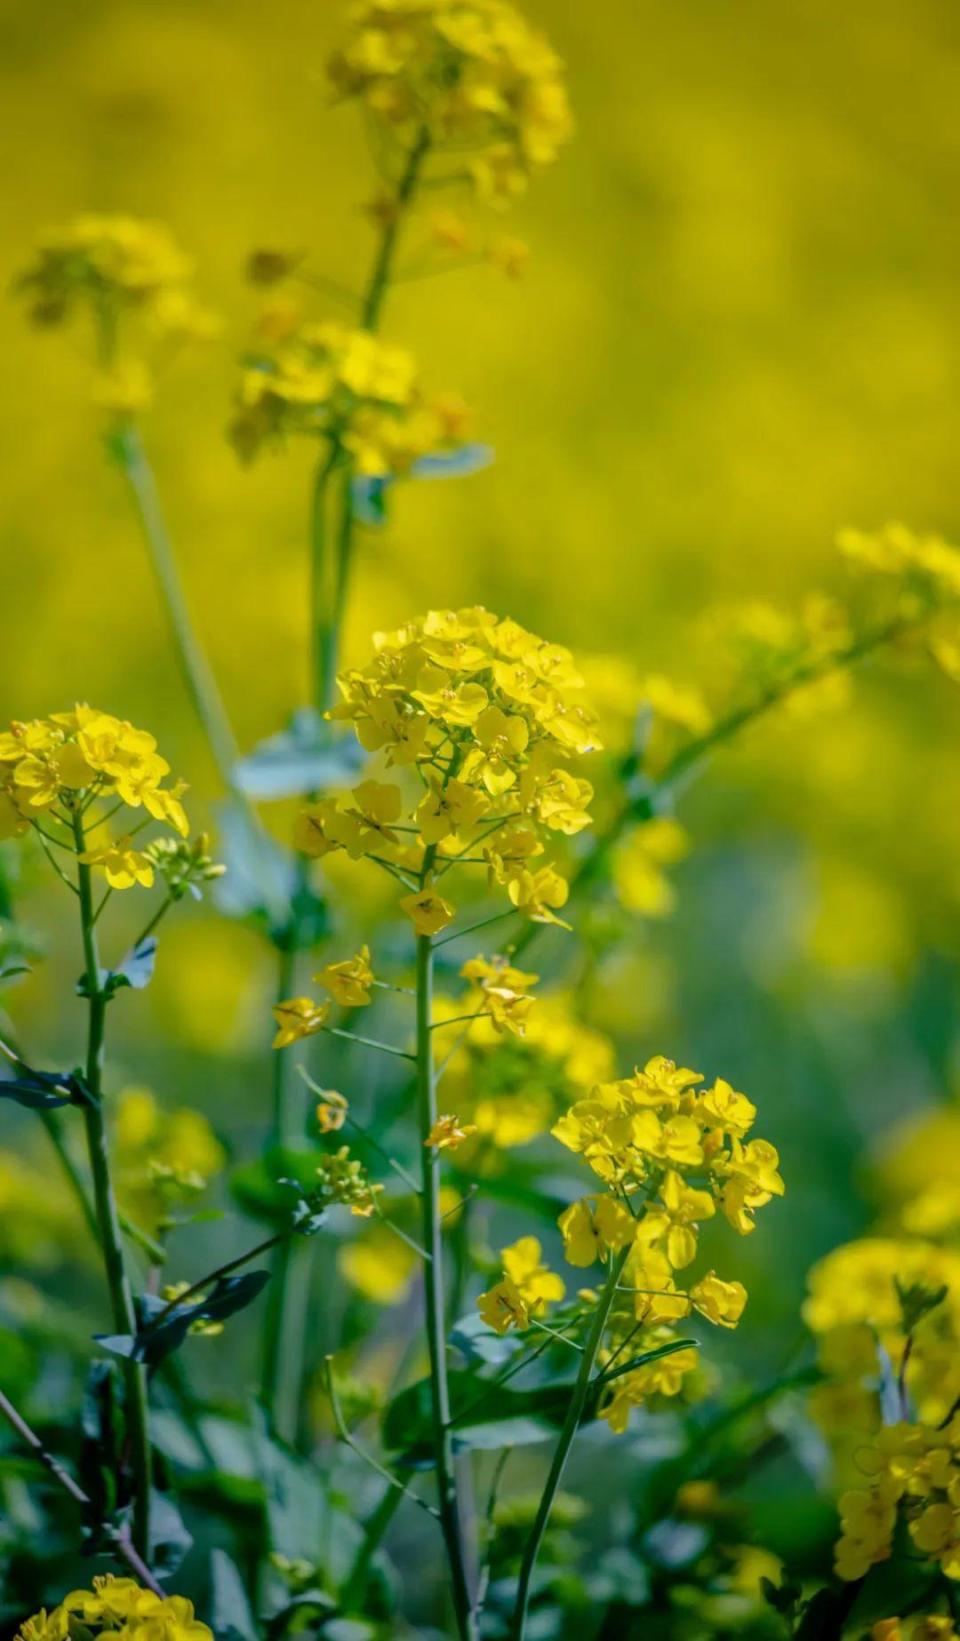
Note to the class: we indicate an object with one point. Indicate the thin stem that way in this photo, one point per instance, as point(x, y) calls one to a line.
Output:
point(155, 920)
point(374, 1530)
point(221, 1271)
point(382, 270)
point(571, 1425)
point(194, 666)
point(108, 1221)
point(461, 934)
point(368, 1042)
point(433, 1279)
point(125, 1549)
point(345, 1436)
point(61, 874)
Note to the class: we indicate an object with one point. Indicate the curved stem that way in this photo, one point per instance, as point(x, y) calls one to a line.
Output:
point(108, 1219)
point(196, 670)
point(61, 1475)
point(571, 1425)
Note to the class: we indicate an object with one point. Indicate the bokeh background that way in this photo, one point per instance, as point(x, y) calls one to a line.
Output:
point(738, 331)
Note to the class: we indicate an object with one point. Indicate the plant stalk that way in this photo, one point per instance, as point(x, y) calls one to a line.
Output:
point(108, 1219)
point(433, 1279)
point(571, 1425)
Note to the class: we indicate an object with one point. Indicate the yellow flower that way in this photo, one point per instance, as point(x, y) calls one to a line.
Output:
point(448, 809)
point(592, 1227)
point(540, 894)
point(720, 1302)
point(523, 1267)
point(428, 912)
point(448, 1132)
point(502, 992)
point(503, 1307)
point(349, 981)
point(121, 864)
point(298, 1017)
point(331, 1111)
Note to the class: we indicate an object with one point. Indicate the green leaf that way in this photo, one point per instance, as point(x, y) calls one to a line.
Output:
point(635, 1362)
point(44, 1090)
point(159, 1338)
point(230, 1611)
point(304, 758)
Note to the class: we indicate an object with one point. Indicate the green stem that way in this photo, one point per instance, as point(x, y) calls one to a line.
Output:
point(196, 670)
point(329, 584)
point(61, 1475)
point(434, 1296)
point(108, 1220)
point(383, 266)
point(688, 758)
point(571, 1425)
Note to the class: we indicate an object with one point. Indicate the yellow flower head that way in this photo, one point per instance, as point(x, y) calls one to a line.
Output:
point(298, 1017)
point(503, 1307)
point(348, 386)
point(448, 1132)
point(127, 275)
point(349, 981)
point(468, 74)
point(118, 1606)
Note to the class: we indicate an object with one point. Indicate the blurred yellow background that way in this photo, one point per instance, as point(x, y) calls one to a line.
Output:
point(738, 331)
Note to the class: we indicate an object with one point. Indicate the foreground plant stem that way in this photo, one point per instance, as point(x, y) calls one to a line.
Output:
point(433, 1282)
point(121, 1541)
point(108, 1219)
point(571, 1425)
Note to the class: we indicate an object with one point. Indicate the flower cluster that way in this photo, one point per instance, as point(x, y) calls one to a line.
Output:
point(121, 1608)
point(344, 1181)
point(470, 76)
point(669, 1156)
point(328, 381)
point(855, 1306)
point(53, 769)
point(483, 713)
point(930, 1627)
point(513, 1086)
point(886, 1312)
point(117, 268)
point(913, 1471)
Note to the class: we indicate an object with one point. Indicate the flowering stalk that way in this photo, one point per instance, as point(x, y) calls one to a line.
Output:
point(118, 1282)
point(432, 1233)
point(571, 1425)
point(285, 1337)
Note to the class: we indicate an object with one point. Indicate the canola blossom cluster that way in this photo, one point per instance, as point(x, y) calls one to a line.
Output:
point(114, 269)
point(326, 380)
point(484, 716)
point(886, 1313)
point(669, 1156)
point(52, 769)
point(467, 77)
point(120, 1608)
